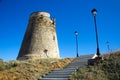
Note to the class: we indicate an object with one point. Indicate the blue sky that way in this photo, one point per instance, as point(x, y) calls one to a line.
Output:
point(71, 15)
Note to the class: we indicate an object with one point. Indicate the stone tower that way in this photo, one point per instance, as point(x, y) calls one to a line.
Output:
point(40, 40)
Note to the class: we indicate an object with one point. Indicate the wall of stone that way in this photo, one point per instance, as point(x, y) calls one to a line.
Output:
point(40, 40)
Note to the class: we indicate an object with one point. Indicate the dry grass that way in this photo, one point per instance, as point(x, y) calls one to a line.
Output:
point(109, 69)
point(29, 70)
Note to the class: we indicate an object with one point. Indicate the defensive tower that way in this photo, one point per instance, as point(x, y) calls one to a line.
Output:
point(40, 40)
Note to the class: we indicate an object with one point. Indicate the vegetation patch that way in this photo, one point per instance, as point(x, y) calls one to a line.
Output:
point(109, 69)
point(29, 69)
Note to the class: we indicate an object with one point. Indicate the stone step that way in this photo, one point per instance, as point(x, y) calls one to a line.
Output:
point(53, 79)
point(65, 71)
point(77, 64)
point(67, 68)
point(61, 73)
point(58, 76)
point(70, 68)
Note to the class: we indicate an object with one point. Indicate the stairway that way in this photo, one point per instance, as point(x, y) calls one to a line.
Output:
point(64, 74)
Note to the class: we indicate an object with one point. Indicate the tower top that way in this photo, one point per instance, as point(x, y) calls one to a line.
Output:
point(43, 14)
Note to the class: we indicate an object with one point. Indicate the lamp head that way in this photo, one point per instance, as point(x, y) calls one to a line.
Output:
point(107, 43)
point(76, 33)
point(94, 12)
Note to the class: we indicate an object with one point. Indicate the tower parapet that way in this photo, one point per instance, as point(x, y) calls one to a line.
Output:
point(40, 40)
point(45, 14)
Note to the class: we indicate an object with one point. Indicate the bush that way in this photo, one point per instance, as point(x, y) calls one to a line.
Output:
point(112, 68)
point(1, 64)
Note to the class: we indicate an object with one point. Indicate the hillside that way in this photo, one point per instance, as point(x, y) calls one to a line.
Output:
point(29, 70)
point(109, 69)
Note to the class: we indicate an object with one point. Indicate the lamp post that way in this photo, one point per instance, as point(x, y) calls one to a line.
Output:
point(107, 43)
point(76, 34)
point(94, 12)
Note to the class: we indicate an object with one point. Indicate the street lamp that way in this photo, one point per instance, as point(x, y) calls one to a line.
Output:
point(107, 43)
point(94, 12)
point(76, 34)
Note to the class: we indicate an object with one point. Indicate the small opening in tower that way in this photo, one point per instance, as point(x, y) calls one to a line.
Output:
point(45, 51)
point(53, 37)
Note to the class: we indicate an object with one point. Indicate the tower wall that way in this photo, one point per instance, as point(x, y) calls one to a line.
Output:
point(40, 40)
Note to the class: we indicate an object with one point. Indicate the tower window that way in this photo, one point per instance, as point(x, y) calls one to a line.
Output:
point(53, 37)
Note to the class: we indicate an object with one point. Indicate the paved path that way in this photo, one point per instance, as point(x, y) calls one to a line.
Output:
point(64, 74)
